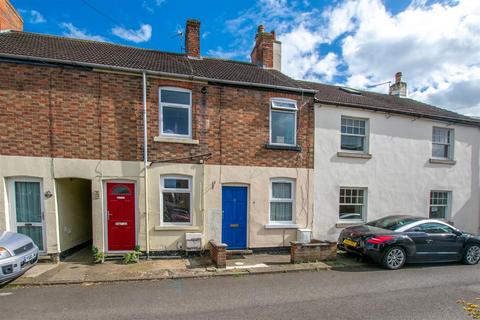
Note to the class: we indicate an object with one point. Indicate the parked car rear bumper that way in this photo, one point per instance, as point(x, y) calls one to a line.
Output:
point(15, 266)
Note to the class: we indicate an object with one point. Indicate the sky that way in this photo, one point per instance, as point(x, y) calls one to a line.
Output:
point(355, 43)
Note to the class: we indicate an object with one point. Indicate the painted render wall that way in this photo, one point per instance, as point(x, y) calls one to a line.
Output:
point(399, 176)
point(207, 180)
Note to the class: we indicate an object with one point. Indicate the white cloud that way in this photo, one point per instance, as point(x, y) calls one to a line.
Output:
point(73, 32)
point(33, 16)
point(143, 34)
point(360, 43)
point(220, 52)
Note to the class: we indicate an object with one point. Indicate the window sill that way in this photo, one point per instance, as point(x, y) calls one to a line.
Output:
point(270, 146)
point(175, 140)
point(354, 155)
point(177, 228)
point(281, 226)
point(442, 161)
point(348, 224)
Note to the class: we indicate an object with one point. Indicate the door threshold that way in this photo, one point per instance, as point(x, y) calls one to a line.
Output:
point(239, 252)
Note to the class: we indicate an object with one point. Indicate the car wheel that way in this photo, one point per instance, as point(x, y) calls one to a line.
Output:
point(472, 254)
point(394, 258)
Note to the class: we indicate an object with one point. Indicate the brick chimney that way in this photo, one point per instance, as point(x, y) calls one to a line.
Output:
point(399, 88)
point(192, 38)
point(267, 51)
point(9, 17)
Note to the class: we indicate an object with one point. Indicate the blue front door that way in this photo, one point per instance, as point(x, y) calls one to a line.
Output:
point(234, 221)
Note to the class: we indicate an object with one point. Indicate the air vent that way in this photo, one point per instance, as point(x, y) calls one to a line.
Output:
point(350, 90)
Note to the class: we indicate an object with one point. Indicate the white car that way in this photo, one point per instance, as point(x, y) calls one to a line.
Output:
point(18, 253)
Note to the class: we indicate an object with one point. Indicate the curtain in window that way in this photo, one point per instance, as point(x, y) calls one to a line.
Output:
point(27, 201)
point(281, 211)
point(281, 190)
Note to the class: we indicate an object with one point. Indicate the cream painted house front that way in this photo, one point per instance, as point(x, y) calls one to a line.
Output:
point(74, 209)
point(397, 172)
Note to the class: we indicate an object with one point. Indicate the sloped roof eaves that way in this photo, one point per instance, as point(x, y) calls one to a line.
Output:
point(100, 55)
point(465, 120)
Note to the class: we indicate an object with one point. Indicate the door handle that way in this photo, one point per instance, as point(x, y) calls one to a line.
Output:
point(108, 215)
point(429, 240)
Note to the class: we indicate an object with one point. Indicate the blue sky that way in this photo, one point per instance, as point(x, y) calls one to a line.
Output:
point(351, 42)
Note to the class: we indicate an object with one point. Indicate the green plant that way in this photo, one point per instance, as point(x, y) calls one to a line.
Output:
point(98, 256)
point(132, 257)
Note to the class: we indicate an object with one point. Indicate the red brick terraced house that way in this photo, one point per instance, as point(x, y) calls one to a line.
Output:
point(228, 153)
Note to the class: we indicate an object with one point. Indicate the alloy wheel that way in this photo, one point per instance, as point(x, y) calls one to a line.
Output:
point(395, 258)
point(473, 254)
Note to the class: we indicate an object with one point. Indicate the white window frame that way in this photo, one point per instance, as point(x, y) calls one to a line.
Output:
point(284, 110)
point(448, 206)
point(364, 205)
point(189, 190)
point(175, 105)
point(450, 145)
point(272, 199)
point(366, 136)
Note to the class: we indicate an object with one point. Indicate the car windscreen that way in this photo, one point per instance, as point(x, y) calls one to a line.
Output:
point(392, 223)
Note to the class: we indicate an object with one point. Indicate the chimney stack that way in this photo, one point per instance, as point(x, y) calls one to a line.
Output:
point(9, 17)
point(192, 38)
point(267, 51)
point(399, 88)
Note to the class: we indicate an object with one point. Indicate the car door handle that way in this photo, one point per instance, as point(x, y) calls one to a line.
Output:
point(429, 240)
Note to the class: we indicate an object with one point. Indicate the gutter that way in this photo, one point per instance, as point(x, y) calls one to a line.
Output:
point(158, 73)
point(418, 115)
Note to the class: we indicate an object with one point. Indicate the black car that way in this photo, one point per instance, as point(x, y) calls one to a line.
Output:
point(394, 240)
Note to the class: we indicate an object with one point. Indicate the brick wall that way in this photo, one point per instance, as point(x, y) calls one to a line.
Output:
point(79, 113)
point(9, 17)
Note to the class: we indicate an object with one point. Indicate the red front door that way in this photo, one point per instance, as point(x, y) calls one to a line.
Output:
point(121, 216)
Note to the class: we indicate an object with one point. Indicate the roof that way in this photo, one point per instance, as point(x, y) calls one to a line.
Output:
point(32, 46)
point(330, 94)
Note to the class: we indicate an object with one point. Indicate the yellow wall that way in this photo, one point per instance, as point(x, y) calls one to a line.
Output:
point(74, 204)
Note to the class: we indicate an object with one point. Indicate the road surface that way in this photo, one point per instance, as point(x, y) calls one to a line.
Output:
point(420, 292)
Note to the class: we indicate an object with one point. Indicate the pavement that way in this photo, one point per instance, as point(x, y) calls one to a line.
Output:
point(79, 269)
point(416, 292)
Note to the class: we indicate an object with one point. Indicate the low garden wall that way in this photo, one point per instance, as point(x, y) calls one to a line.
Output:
point(316, 250)
point(218, 253)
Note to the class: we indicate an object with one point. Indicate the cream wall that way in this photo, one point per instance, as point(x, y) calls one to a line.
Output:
point(399, 176)
point(206, 201)
point(74, 204)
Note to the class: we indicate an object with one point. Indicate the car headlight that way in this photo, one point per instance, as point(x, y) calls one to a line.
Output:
point(4, 253)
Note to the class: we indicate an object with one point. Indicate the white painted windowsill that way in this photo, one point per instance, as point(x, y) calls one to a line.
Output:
point(358, 155)
point(346, 224)
point(282, 226)
point(177, 228)
point(175, 140)
point(442, 161)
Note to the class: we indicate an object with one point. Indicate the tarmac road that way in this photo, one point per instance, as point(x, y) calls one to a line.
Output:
point(415, 292)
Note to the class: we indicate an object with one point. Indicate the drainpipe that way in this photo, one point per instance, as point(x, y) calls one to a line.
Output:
point(145, 161)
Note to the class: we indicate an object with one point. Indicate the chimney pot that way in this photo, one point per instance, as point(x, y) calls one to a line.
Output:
point(267, 50)
point(192, 38)
point(398, 77)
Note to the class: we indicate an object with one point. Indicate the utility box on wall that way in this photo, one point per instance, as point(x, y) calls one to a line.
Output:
point(193, 241)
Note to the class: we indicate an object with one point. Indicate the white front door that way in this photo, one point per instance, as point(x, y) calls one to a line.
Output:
point(27, 210)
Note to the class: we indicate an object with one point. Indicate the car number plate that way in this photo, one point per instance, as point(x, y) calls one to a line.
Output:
point(29, 258)
point(350, 243)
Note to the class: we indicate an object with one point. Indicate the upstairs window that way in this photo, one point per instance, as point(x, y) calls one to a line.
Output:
point(354, 134)
point(442, 143)
point(176, 112)
point(283, 122)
